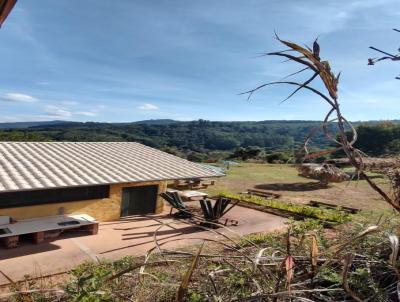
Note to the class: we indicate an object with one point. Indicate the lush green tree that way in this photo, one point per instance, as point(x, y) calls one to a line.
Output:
point(380, 139)
point(203, 136)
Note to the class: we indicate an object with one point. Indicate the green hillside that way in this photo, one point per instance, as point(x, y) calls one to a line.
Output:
point(201, 135)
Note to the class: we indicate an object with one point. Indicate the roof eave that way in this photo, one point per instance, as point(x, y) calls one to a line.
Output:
point(5, 8)
point(112, 183)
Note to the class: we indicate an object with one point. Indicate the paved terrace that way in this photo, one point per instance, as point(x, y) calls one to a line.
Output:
point(128, 236)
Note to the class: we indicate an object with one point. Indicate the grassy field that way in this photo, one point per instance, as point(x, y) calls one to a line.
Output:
point(283, 179)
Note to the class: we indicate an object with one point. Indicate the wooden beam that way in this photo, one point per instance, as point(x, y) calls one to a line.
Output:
point(5, 8)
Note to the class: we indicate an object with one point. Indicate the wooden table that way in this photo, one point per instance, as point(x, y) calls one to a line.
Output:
point(192, 195)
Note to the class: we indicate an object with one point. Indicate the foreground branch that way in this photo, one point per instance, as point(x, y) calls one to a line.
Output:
point(311, 60)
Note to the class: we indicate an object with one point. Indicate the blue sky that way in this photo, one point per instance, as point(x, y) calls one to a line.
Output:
point(128, 60)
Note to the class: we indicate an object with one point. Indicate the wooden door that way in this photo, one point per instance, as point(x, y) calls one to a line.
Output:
point(139, 200)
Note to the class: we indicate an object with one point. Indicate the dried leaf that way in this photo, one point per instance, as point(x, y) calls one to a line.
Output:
point(316, 48)
point(368, 230)
point(348, 260)
point(394, 244)
point(289, 266)
point(398, 290)
point(288, 244)
point(297, 72)
point(301, 86)
point(259, 257)
point(188, 276)
point(314, 251)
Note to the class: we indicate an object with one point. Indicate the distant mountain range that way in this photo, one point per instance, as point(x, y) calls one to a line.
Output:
point(157, 122)
point(22, 125)
point(200, 135)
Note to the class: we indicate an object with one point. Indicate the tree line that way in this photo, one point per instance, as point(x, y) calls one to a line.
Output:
point(243, 140)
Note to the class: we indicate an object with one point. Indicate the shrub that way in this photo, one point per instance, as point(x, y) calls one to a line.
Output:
point(319, 213)
point(281, 157)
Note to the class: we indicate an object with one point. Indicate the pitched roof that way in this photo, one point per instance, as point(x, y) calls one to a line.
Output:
point(40, 165)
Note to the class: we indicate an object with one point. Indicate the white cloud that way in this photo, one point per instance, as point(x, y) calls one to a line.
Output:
point(17, 97)
point(337, 15)
point(69, 103)
point(148, 107)
point(57, 112)
point(67, 110)
point(86, 113)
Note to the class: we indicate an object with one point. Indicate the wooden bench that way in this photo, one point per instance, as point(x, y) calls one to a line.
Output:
point(45, 228)
point(263, 193)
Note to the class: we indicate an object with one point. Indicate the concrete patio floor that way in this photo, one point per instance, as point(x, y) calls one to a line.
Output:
point(128, 236)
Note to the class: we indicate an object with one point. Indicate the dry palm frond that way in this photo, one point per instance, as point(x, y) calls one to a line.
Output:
point(188, 276)
point(314, 252)
point(348, 260)
point(310, 59)
point(325, 172)
point(394, 244)
point(394, 177)
point(387, 56)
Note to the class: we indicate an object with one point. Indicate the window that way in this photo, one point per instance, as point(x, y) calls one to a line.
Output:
point(37, 197)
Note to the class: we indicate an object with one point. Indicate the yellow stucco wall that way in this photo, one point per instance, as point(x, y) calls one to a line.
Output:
point(106, 209)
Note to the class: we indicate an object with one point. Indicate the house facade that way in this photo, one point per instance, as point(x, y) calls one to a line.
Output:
point(106, 180)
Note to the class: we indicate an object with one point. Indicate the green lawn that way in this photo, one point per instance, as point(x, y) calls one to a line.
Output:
point(283, 179)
